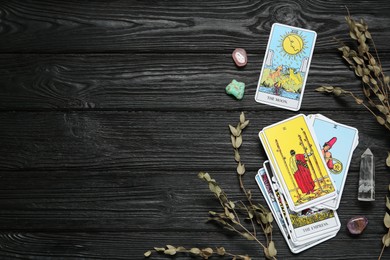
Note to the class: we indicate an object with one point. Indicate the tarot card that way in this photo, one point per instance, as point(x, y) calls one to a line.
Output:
point(309, 225)
point(339, 141)
point(310, 119)
point(285, 67)
point(263, 183)
point(265, 186)
point(298, 225)
point(300, 167)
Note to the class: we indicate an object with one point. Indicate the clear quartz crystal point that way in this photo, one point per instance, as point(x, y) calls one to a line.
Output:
point(367, 177)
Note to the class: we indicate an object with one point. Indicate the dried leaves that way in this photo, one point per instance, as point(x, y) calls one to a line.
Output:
point(368, 68)
point(388, 159)
point(375, 86)
point(204, 253)
point(231, 211)
point(386, 222)
point(236, 139)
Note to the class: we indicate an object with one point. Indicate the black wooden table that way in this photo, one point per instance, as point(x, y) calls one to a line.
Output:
point(109, 109)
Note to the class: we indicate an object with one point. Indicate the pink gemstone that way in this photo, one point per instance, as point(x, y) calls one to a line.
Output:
point(240, 57)
point(356, 225)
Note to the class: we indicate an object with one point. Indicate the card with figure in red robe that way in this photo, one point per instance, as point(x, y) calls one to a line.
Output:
point(299, 166)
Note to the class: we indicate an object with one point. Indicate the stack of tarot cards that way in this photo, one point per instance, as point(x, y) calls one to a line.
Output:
point(303, 180)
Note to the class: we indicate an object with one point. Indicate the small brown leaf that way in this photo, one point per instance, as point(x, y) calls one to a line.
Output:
point(207, 251)
point(382, 109)
point(240, 168)
point(237, 156)
point(247, 236)
point(242, 117)
point(269, 217)
point(386, 220)
point(159, 249)
point(147, 253)
point(353, 35)
point(367, 34)
point(233, 139)
point(171, 247)
point(263, 218)
point(377, 71)
point(386, 240)
point(238, 141)
point(380, 96)
point(214, 188)
point(359, 71)
point(358, 60)
point(195, 251)
point(268, 229)
point(388, 203)
point(386, 80)
point(388, 160)
point(170, 252)
point(233, 130)
point(249, 194)
point(206, 176)
point(245, 124)
point(366, 91)
point(181, 249)
point(250, 214)
point(238, 128)
point(227, 212)
point(359, 101)
point(380, 120)
point(271, 249)
point(320, 89)
point(366, 79)
point(221, 250)
point(337, 92)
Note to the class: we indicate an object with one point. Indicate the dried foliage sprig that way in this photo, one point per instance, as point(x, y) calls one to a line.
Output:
point(255, 211)
point(229, 216)
point(386, 221)
point(368, 68)
point(205, 253)
point(375, 86)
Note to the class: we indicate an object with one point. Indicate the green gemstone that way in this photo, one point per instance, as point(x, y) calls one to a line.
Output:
point(236, 89)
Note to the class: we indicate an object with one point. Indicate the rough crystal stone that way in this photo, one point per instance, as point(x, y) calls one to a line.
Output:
point(367, 177)
point(240, 57)
point(356, 225)
point(236, 89)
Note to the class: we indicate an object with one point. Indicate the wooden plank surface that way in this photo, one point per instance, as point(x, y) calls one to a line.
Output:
point(143, 26)
point(109, 109)
point(153, 82)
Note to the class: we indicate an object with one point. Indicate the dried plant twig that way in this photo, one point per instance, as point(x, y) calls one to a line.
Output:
point(231, 211)
point(375, 86)
point(204, 253)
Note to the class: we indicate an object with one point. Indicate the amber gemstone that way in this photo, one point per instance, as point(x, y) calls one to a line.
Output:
point(356, 225)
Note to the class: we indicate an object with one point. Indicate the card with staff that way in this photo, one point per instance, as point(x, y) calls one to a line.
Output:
point(299, 166)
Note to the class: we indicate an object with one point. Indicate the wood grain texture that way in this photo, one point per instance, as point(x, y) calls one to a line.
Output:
point(144, 140)
point(143, 26)
point(109, 109)
point(155, 82)
point(125, 245)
